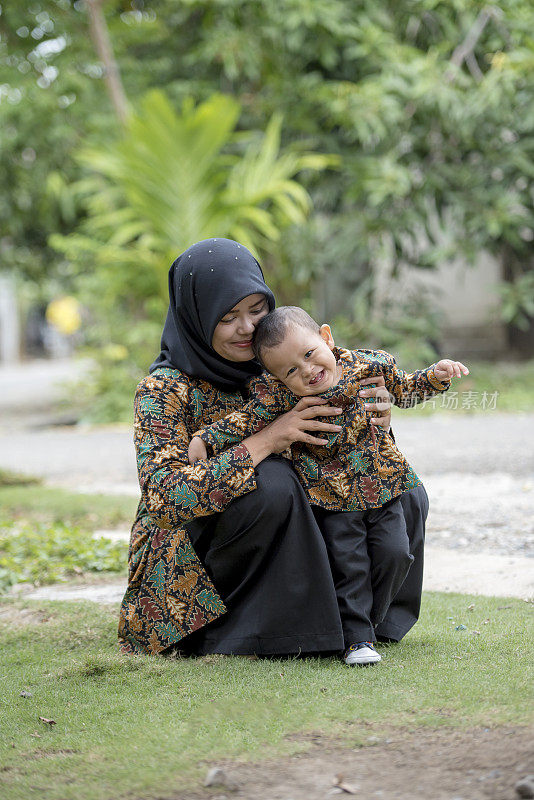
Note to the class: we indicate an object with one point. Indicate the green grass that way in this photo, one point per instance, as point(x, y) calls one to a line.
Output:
point(41, 504)
point(46, 534)
point(514, 382)
point(145, 726)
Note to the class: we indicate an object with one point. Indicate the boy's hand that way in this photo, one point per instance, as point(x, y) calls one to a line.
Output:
point(196, 450)
point(446, 369)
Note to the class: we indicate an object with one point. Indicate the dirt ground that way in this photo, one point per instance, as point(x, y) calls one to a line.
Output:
point(478, 764)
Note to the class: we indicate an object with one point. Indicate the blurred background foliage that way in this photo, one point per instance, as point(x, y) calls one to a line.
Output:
point(329, 136)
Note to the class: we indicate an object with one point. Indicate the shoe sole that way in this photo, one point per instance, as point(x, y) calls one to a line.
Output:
point(369, 663)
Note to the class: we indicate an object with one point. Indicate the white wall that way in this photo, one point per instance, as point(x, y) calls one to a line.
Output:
point(464, 293)
point(9, 321)
point(466, 297)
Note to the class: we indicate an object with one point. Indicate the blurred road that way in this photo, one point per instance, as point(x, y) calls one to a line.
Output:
point(478, 470)
point(30, 392)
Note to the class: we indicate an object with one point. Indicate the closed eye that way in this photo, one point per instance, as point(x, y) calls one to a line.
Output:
point(253, 311)
point(259, 309)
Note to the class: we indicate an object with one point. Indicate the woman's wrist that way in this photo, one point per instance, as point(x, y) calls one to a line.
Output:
point(259, 446)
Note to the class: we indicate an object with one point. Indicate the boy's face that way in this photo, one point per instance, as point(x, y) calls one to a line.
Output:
point(304, 361)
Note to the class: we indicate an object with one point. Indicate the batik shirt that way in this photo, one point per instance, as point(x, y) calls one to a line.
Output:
point(361, 467)
point(169, 593)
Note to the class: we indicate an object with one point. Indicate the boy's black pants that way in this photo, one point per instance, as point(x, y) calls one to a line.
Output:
point(370, 557)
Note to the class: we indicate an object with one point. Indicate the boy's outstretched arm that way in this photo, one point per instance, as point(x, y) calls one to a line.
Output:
point(410, 388)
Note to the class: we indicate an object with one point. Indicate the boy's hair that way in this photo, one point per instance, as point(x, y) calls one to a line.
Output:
point(272, 329)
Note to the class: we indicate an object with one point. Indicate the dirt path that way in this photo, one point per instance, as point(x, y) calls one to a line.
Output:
point(443, 764)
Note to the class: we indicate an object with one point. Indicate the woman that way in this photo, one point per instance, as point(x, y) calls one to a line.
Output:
point(225, 555)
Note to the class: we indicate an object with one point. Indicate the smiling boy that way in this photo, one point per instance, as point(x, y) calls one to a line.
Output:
point(355, 477)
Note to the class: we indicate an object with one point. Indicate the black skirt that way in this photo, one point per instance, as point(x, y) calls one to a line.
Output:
point(268, 561)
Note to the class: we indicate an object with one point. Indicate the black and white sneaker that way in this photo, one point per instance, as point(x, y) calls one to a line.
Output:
point(361, 654)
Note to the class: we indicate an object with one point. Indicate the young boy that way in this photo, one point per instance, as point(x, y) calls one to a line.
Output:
point(355, 480)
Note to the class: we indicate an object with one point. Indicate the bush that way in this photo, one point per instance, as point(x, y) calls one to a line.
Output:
point(48, 553)
point(10, 478)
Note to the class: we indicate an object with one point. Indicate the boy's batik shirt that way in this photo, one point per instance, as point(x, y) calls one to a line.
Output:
point(361, 467)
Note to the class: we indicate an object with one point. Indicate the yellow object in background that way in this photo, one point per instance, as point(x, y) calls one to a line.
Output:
point(64, 314)
point(115, 352)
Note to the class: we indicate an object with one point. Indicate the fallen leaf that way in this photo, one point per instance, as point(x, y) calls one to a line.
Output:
point(475, 633)
point(458, 658)
point(502, 608)
point(25, 694)
point(48, 721)
point(323, 689)
point(36, 735)
point(471, 607)
point(339, 783)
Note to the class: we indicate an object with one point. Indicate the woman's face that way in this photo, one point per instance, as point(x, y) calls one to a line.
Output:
point(232, 338)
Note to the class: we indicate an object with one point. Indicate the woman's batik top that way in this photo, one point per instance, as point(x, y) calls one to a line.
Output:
point(361, 467)
point(169, 593)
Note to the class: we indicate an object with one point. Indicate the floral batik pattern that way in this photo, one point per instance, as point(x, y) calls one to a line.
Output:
point(361, 467)
point(169, 593)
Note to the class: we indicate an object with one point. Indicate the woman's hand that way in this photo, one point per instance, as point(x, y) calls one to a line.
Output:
point(293, 426)
point(197, 450)
point(382, 404)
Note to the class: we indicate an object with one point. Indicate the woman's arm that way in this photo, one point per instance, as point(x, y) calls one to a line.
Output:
point(268, 400)
point(268, 423)
point(293, 426)
point(239, 425)
point(174, 491)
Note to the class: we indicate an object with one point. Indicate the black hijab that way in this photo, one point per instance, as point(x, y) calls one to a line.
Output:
point(206, 282)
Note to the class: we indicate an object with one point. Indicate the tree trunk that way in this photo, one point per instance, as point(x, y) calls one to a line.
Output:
point(104, 49)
